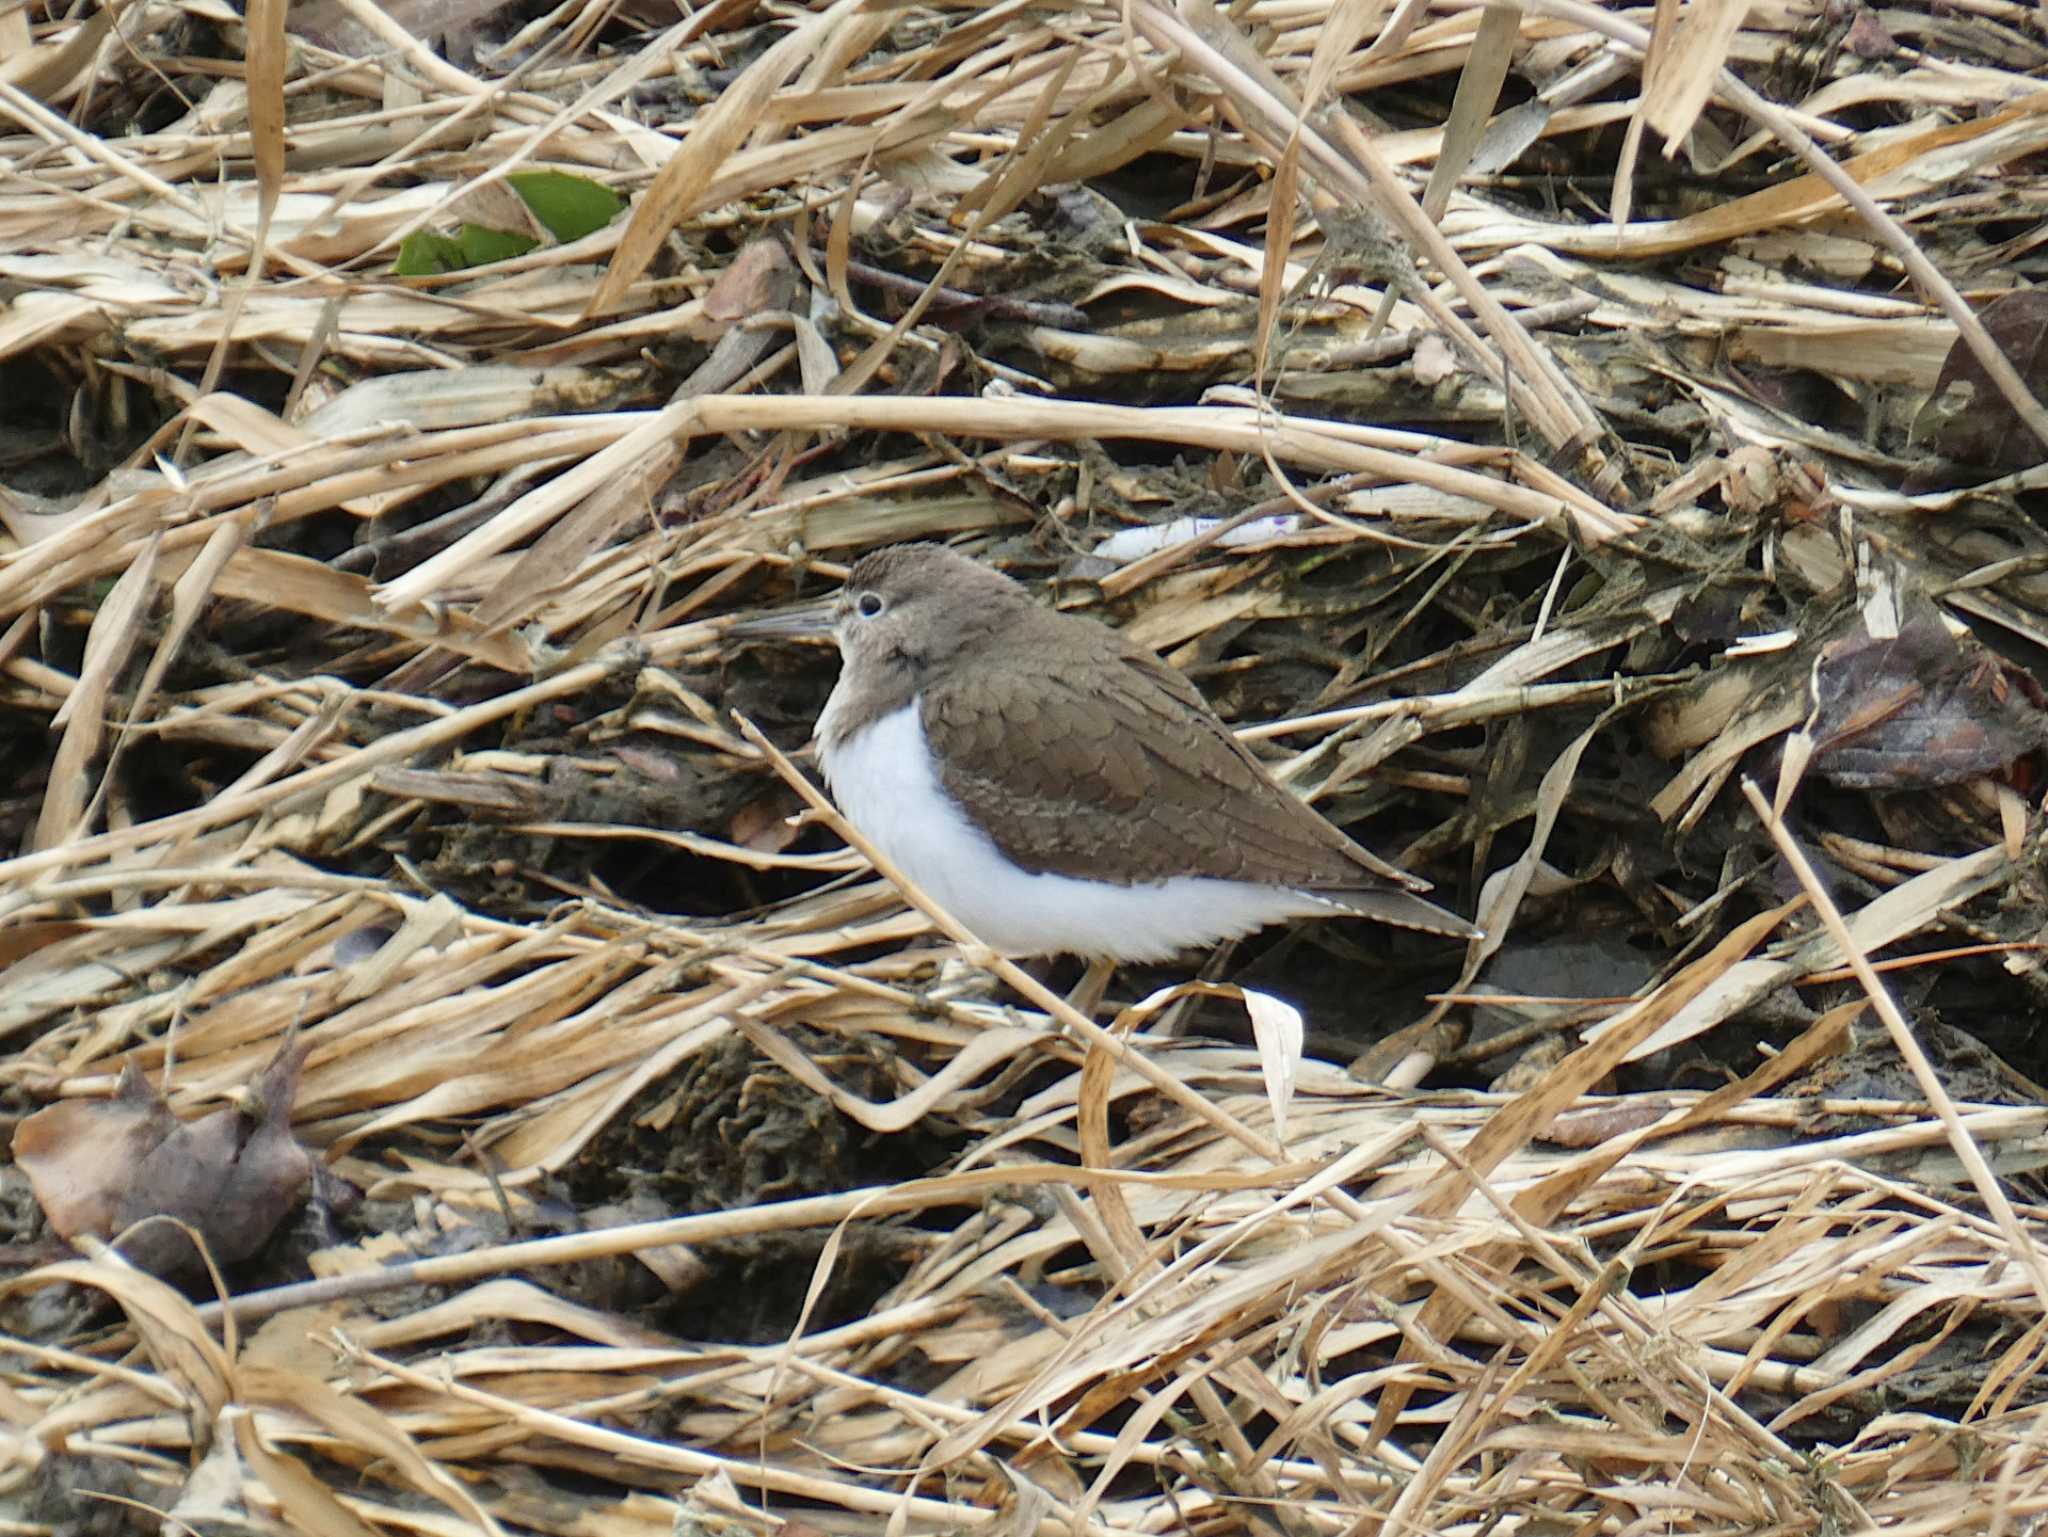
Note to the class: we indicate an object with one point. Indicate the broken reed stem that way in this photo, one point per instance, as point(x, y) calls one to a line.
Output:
point(709, 1227)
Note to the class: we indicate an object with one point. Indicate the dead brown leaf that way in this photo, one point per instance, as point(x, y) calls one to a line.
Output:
point(1920, 708)
point(98, 1168)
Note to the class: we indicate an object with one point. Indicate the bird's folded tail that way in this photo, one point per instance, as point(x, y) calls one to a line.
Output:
point(1404, 910)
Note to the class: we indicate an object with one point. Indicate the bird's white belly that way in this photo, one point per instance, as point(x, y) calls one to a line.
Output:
point(887, 784)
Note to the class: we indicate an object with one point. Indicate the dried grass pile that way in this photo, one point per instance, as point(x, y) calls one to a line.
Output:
point(369, 734)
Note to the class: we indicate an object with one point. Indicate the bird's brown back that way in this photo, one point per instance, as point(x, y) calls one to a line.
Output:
point(1129, 775)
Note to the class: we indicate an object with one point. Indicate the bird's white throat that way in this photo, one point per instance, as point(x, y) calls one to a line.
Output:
point(886, 783)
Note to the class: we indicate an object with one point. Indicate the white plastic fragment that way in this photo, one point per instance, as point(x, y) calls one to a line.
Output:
point(1131, 543)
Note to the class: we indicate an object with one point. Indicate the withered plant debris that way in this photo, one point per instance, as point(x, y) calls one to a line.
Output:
point(102, 1167)
point(1918, 706)
point(1966, 420)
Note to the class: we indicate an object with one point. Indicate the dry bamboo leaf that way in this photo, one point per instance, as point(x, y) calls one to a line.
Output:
point(1019, 174)
point(505, 1301)
point(48, 71)
point(428, 925)
point(817, 362)
point(1479, 83)
point(1903, 910)
point(1134, 133)
point(1930, 157)
point(302, 586)
point(261, 433)
point(1398, 28)
point(1280, 214)
point(83, 714)
point(1277, 1028)
point(1105, 1223)
point(1823, 1038)
point(558, 553)
point(659, 437)
point(1674, 94)
point(19, 940)
point(2012, 819)
point(714, 136)
point(169, 1327)
point(1511, 133)
point(1663, 28)
point(214, 1492)
point(989, 1049)
point(266, 60)
point(306, 1503)
point(1797, 751)
point(361, 1428)
point(111, 637)
point(15, 37)
point(1345, 25)
point(1762, 716)
point(189, 595)
point(1605, 1050)
point(1502, 894)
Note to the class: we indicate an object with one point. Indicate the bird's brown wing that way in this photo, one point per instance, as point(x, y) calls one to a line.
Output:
point(1128, 770)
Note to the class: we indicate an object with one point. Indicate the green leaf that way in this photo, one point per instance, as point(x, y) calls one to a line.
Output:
point(481, 244)
point(568, 207)
point(424, 254)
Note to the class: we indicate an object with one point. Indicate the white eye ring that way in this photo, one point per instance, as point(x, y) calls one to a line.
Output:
point(868, 605)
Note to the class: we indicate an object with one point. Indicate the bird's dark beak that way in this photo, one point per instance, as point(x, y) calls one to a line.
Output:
point(804, 622)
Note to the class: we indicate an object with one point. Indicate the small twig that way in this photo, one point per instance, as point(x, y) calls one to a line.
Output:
point(1930, 958)
point(437, 533)
point(864, 1204)
point(954, 301)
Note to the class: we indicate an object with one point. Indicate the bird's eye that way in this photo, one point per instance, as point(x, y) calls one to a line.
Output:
point(868, 604)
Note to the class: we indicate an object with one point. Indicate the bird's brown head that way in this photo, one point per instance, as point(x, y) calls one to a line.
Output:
point(913, 607)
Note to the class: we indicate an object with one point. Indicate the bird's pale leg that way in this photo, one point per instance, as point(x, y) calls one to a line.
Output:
point(1087, 995)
